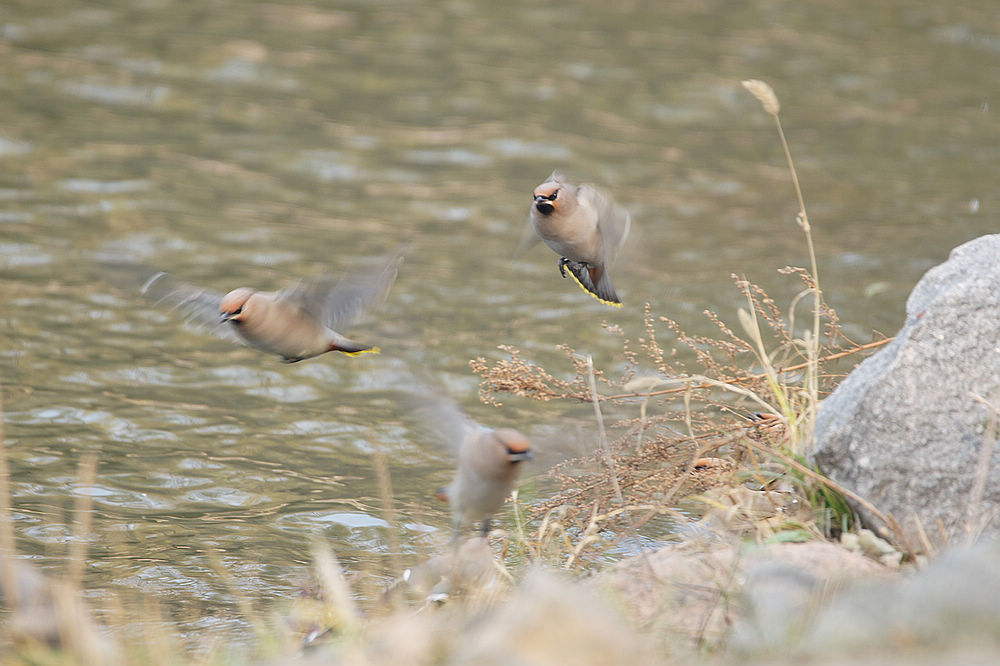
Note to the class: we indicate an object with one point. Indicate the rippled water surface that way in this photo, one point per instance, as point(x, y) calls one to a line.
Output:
point(250, 142)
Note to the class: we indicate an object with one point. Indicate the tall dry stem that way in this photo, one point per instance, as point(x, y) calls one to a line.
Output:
point(8, 549)
point(83, 518)
point(606, 454)
point(384, 479)
point(769, 100)
point(336, 590)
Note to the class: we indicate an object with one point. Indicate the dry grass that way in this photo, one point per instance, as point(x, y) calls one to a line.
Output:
point(691, 431)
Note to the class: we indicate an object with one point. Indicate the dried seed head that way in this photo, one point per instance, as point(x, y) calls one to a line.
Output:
point(764, 94)
point(748, 323)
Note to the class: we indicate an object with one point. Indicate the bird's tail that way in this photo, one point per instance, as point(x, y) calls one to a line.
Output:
point(351, 348)
point(595, 281)
point(359, 352)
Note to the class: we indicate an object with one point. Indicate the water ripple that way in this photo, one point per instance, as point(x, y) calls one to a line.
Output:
point(117, 95)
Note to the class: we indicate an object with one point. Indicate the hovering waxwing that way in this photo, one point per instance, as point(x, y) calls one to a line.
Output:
point(488, 465)
point(489, 461)
point(585, 227)
point(296, 323)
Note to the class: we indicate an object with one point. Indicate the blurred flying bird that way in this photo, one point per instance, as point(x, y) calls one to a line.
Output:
point(489, 461)
point(585, 227)
point(296, 323)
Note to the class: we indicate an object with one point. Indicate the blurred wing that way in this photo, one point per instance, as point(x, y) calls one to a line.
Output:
point(198, 306)
point(569, 446)
point(613, 220)
point(529, 239)
point(340, 304)
point(441, 416)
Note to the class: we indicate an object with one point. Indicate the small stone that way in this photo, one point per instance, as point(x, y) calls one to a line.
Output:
point(891, 560)
point(872, 546)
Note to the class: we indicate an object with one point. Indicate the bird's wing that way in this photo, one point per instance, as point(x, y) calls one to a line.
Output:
point(613, 221)
point(341, 303)
point(441, 416)
point(198, 306)
point(529, 239)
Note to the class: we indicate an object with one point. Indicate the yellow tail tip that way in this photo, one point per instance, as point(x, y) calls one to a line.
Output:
point(592, 294)
point(372, 350)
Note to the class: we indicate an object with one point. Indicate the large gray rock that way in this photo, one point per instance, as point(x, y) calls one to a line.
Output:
point(904, 429)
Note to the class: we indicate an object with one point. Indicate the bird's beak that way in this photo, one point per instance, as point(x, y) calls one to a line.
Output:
point(226, 316)
point(544, 205)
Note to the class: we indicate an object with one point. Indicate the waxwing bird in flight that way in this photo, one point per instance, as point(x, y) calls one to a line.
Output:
point(585, 227)
point(298, 322)
point(489, 461)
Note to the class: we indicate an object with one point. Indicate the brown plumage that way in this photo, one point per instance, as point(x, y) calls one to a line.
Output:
point(585, 227)
point(488, 465)
point(296, 323)
point(489, 461)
